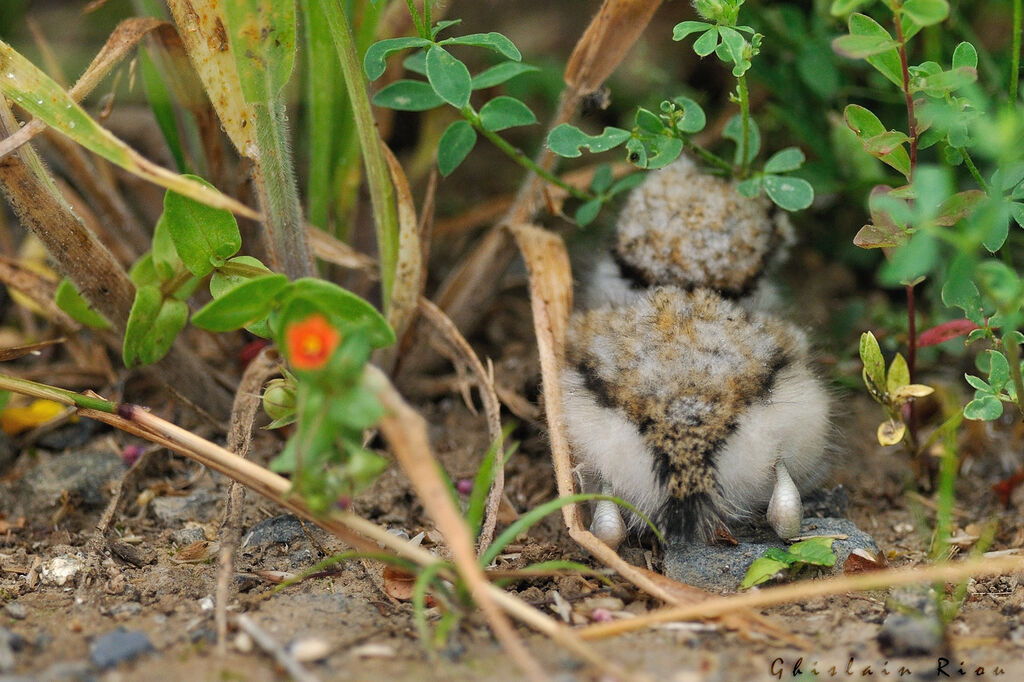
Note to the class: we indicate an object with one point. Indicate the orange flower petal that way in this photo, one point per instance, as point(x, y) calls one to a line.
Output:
point(311, 342)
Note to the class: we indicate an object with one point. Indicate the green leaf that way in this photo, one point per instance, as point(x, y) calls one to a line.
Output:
point(345, 310)
point(707, 42)
point(358, 408)
point(792, 194)
point(163, 108)
point(505, 112)
point(732, 50)
point(204, 236)
point(1017, 212)
point(965, 56)
point(566, 140)
point(984, 407)
point(408, 95)
point(222, 281)
point(978, 383)
point(862, 121)
point(627, 183)
point(885, 143)
point(455, 144)
point(449, 77)
point(751, 187)
point(761, 571)
point(926, 12)
point(500, 73)
point(898, 376)
point(153, 323)
point(442, 25)
point(814, 551)
point(783, 161)
point(841, 8)
point(416, 62)
point(874, 363)
point(887, 63)
point(999, 371)
point(693, 119)
point(242, 304)
point(262, 36)
point(912, 260)
point(587, 211)
point(681, 30)
point(663, 151)
point(734, 131)
point(998, 280)
point(944, 82)
point(375, 62)
point(71, 301)
point(959, 290)
point(647, 121)
point(165, 255)
point(602, 179)
point(491, 41)
point(779, 554)
point(862, 46)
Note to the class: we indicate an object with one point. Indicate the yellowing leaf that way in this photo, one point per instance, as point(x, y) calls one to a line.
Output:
point(891, 432)
point(15, 420)
point(899, 375)
point(909, 391)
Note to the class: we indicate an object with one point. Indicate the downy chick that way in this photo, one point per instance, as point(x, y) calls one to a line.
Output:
point(680, 397)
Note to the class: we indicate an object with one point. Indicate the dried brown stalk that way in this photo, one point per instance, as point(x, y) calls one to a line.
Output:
point(492, 408)
point(785, 594)
point(243, 414)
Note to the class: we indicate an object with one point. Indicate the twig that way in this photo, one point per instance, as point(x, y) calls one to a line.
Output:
point(785, 594)
point(269, 645)
point(485, 385)
point(243, 414)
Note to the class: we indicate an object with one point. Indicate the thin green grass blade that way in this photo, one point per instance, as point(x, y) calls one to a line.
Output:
point(160, 102)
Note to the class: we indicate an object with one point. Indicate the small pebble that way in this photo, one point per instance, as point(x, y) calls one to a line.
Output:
point(243, 642)
point(119, 645)
point(60, 570)
point(309, 649)
point(373, 651)
point(184, 537)
point(206, 603)
point(126, 609)
point(905, 635)
point(16, 610)
point(282, 529)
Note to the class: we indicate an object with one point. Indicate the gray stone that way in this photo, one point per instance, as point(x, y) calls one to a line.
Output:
point(16, 610)
point(199, 506)
point(83, 475)
point(183, 537)
point(911, 635)
point(126, 609)
point(282, 529)
point(71, 435)
point(10, 642)
point(118, 646)
point(722, 567)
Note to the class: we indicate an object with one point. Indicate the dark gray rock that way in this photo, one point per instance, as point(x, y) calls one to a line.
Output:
point(282, 529)
point(10, 642)
point(826, 503)
point(83, 475)
point(126, 609)
point(301, 558)
point(722, 567)
point(903, 634)
point(71, 435)
point(201, 505)
point(118, 646)
point(16, 610)
point(183, 537)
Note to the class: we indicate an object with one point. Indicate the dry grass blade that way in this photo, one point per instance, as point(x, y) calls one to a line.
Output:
point(485, 384)
point(243, 414)
point(406, 433)
point(125, 37)
point(774, 596)
point(405, 291)
point(41, 96)
point(36, 288)
point(609, 36)
point(15, 352)
point(331, 249)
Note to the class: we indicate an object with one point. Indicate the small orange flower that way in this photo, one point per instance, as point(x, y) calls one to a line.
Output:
point(311, 342)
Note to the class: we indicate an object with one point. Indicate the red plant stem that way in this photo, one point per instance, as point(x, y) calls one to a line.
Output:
point(911, 117)
point(911, 332)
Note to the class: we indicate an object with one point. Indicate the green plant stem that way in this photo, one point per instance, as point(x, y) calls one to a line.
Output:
point(946, 497)
point(279, 196)
point(521, 158)
point(1013, 357)
point(422, 28)
point(1015, 57)
point(975, 173)
point(708, 157)
point(58, 395)
point(744, 97)
point(382, 191)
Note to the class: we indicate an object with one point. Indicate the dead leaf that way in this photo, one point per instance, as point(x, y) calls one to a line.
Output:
point(609, 36)
point(399, 584)
point(863, 560)
point(196, 552)
point(891, 432)
point(14, 352)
